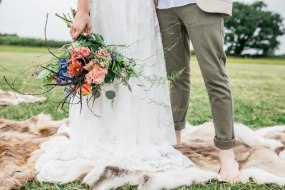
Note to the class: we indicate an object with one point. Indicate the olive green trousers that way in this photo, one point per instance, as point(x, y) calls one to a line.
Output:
point(178, 26)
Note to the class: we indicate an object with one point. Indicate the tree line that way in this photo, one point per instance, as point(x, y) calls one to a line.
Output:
point(252, 30)
point(13, 39)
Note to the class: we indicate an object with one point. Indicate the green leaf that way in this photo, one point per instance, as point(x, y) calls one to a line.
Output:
point(43, 74)
point(96, 93)
point(99, 38)
point(110, 77)
point(47, 80)
point(47, 73)
point(110, 94)
point(55, 67)
point(120, 58)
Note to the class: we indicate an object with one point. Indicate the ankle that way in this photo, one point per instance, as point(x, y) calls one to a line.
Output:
point(178, 136)
point(226, 154)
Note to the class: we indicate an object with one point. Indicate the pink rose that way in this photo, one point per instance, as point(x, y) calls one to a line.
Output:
point(84, 51)
point(74, 53)
point(101, 53)
point(96, 75)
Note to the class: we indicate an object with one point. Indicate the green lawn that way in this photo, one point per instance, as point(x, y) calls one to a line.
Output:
point(258, 88)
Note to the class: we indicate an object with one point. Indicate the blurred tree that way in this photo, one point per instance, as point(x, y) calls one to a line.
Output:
point(253, 30)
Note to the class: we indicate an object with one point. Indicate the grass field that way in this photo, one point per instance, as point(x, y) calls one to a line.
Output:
point(258, 88)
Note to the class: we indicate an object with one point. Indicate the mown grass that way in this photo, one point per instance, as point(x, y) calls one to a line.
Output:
point(258, 89)
point(247, 60)
point(212, 185)
point(17, 49)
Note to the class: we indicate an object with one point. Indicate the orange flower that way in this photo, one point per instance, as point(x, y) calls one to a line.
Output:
point(86, 89)
point(75, 68)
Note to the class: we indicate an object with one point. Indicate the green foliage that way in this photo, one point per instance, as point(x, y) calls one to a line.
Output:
point(96, 93)
point(13, 39)
point(94, 41)
point(110, 77)
point(253, 28)
point(175, 75)
point(49, 71)
point(111, 94)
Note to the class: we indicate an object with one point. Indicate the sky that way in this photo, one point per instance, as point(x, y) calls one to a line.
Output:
point(27, 18)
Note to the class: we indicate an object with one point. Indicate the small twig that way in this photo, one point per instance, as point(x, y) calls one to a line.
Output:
point(65, 19)
point(46, 43)
point(87, 103)
point(15, 90)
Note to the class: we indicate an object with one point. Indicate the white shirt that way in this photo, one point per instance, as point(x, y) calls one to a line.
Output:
point(166, 4)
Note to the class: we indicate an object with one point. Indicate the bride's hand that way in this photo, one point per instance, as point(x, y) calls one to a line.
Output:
point(80, 24)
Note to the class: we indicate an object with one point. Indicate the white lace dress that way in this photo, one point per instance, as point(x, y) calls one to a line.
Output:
point(135, 131)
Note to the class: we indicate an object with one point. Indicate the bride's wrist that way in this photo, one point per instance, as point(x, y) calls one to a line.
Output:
point(83, 13)
point(83, 7)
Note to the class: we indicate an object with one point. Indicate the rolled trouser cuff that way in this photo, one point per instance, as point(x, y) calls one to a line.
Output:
point(180, 125)
point(224, 145)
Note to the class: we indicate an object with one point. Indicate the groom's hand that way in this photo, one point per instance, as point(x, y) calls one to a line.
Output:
point(80, 24)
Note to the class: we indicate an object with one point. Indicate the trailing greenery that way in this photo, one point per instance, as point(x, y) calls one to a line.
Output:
point(13, 39)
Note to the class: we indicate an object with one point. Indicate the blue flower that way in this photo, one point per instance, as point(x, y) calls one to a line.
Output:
point(61, 80)
point(63, 63)
point(62, 76)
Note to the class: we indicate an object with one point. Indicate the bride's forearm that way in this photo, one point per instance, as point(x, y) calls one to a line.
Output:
point(81, 21)
point(83, 6)
point(155, 2)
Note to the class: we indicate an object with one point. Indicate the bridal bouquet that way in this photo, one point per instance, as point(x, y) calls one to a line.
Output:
point(84, 66)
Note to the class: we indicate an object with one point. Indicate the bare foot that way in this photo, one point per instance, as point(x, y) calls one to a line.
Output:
point(178, 136)
point(229, 166)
